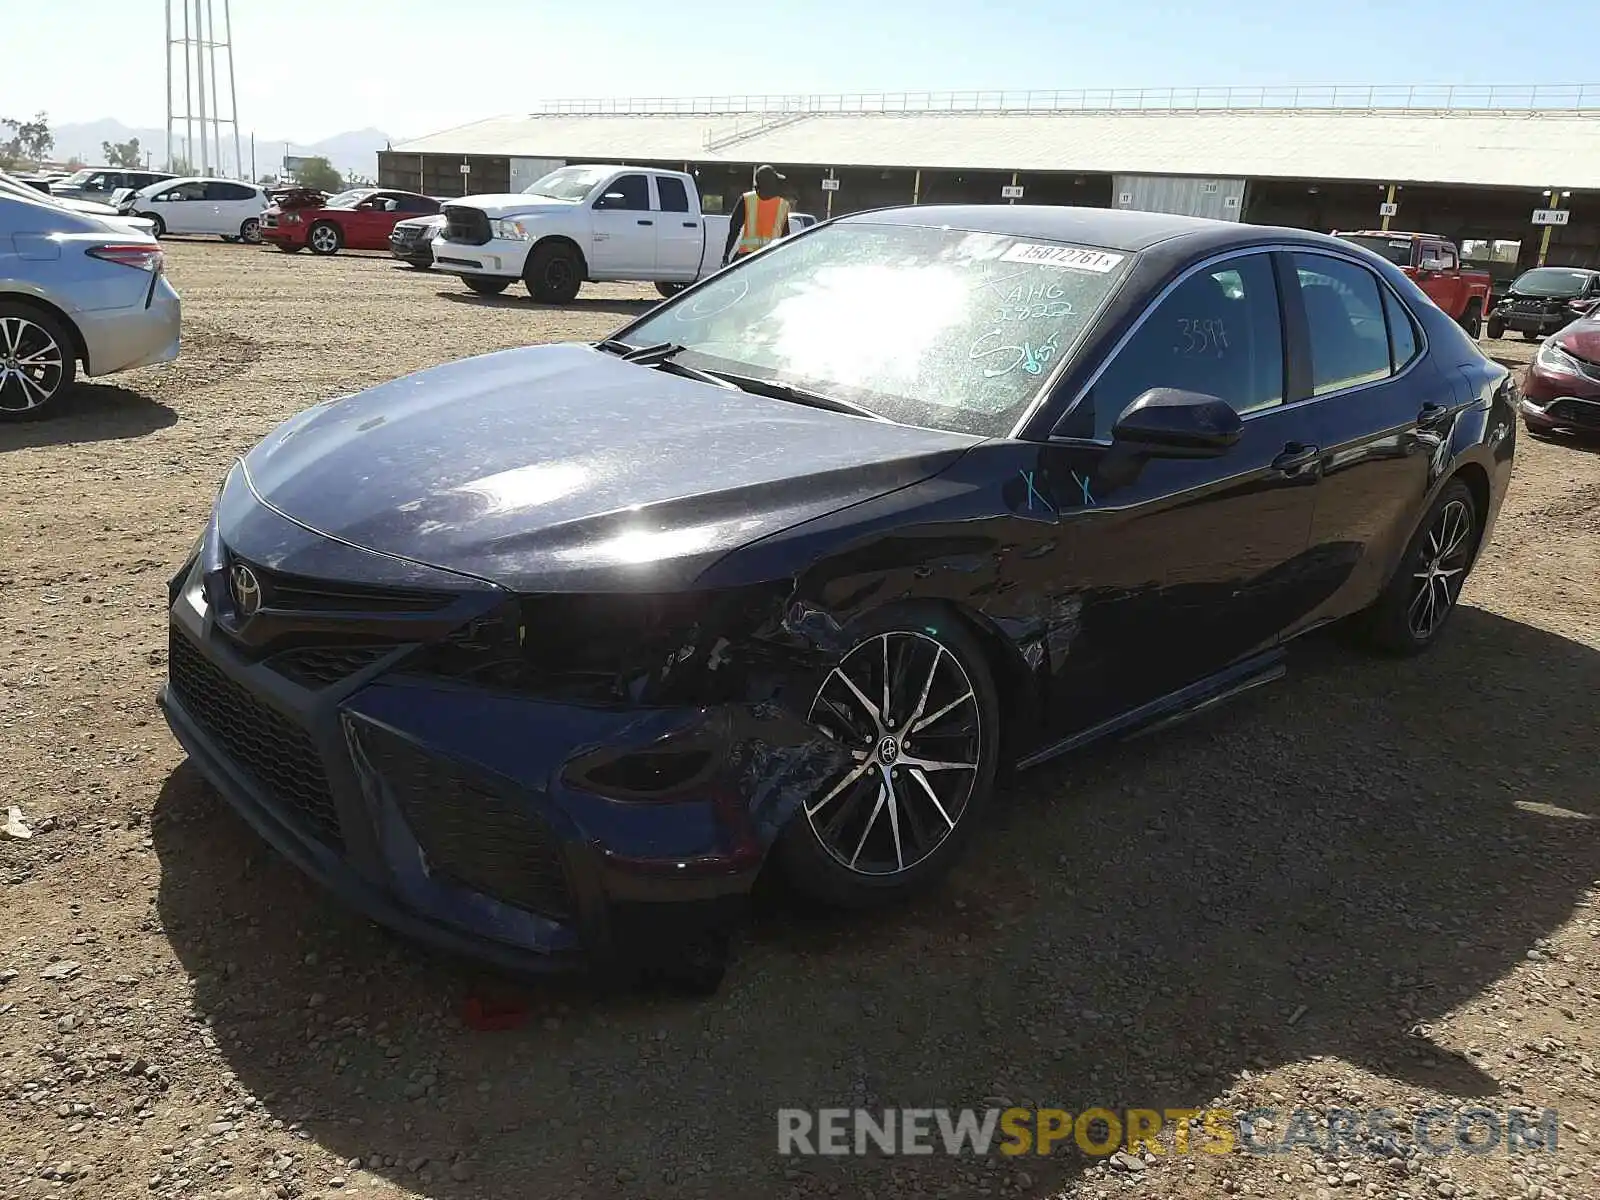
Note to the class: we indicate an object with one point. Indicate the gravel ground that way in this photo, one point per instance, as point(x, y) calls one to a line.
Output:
point(1373, 884)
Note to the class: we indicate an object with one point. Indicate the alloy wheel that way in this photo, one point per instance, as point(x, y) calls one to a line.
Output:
point(1440, 570)
point(32, 364)
point(906, 708)
point(250, 232)
point(324, 239)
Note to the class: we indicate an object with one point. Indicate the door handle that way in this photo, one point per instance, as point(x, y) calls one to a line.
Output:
point(690, 225)
point(1296, 457)
point(1432, 416)
point(644, 222)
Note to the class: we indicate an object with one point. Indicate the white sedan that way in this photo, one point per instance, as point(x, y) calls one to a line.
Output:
point(225, 207)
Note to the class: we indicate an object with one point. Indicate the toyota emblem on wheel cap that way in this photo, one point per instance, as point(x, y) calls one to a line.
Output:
point(246, 590)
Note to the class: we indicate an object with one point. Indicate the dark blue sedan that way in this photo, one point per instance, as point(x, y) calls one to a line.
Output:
point(543, 656)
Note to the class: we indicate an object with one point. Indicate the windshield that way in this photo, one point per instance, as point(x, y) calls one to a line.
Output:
point(1550, 281)
point(349, 199)
point(568, 183)
point(78, 177)
point(1396, 250)
point(942, 328)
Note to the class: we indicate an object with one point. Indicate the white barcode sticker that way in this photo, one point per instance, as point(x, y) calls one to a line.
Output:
point(1071, 258)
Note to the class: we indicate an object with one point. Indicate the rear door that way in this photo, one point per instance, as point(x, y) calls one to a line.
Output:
point(1380, 411)
point(624, 241)
point(1193, 563)
point(680, 236)
point(232, 204)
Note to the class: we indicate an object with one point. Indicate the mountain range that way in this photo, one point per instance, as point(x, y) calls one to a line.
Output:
point(355, 152)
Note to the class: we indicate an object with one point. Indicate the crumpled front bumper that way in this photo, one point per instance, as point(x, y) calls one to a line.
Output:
point(468, 818)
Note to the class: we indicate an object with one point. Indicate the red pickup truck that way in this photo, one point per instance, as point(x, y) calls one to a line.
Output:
point(1435, 264)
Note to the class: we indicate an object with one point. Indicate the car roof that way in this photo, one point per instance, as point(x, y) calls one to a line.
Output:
point(1128, 230)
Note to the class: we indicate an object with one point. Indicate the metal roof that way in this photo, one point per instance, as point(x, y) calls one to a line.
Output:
point(1510, 148)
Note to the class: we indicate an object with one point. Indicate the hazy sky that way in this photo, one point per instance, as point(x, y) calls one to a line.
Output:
point(310, 68)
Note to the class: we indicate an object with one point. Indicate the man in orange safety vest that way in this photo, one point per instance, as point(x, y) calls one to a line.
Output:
point(762, 217)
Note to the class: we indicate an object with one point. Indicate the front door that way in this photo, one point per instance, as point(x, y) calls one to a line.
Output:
point(624, 240)
point(184, 208)
point(1195, 562)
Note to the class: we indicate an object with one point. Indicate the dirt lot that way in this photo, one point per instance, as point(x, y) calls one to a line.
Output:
point(1372, 885)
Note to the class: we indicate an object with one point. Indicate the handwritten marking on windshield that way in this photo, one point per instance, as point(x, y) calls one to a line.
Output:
point(1000, 358)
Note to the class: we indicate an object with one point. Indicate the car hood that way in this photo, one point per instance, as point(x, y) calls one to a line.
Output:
point(1583, 339)
point(514, 204)
point(562, 468)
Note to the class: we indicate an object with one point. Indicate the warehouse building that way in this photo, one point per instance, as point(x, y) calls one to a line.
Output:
point(1473, 164)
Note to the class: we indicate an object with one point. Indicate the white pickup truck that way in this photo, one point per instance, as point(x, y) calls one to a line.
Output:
point(586, 223)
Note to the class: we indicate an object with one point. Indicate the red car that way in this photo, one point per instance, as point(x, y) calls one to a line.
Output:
point(1561, 390)
point(360, 219)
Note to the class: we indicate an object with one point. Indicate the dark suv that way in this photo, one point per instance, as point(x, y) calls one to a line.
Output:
point(1545, 300)
point(100, 183)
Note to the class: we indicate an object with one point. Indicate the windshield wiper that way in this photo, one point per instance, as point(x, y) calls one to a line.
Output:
point(799, 395)
point(659, 356)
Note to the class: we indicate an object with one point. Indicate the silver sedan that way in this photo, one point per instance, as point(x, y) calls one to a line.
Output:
point(76, 288)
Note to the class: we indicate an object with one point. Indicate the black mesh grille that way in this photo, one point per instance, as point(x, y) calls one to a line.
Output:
point(469, 835)
point(263, 743)
point(1576, 412)
point(469, 226)
point(323, 666)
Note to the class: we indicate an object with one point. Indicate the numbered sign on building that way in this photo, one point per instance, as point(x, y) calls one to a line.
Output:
point(1551, 216)
point(1389, 209)
point(1011, 191)
point(830, 185)
point(465, 170)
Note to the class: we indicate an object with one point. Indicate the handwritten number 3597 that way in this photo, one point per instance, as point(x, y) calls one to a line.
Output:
point(1209, 336)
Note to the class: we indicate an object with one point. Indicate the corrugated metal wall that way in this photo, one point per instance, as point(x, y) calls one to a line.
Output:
point(1219, 199)
point(525, 170)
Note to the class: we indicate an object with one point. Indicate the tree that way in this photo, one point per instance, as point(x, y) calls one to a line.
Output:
point(318, 173)
point(29, 140)
point(123, 154)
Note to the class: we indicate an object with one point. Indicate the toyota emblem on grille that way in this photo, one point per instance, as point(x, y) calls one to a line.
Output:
point(246, 590)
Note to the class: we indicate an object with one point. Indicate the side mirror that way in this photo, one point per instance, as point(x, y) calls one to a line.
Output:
point(1173, 423)
point(612, 200)
point(1432, 264)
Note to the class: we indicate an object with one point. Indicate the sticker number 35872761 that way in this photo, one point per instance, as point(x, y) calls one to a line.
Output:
point(1071, 258)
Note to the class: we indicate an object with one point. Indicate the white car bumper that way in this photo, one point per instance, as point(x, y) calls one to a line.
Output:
point(499, 256)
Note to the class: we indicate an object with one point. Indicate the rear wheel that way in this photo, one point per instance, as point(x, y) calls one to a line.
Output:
point(325, 238)
point(487, 287)
point(250, 231)
point(1413, 610)
point(554, 273)
point(913, 710)
point(160, 225)
point(37, 361)
point(1472, 319)
point(668, 290)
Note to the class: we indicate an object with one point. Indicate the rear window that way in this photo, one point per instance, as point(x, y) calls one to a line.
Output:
point(1396, 250)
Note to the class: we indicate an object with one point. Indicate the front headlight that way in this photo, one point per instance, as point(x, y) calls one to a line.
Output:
point(1557, 361)
point(511, 231)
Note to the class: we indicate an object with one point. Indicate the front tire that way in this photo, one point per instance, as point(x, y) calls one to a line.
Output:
point(487, 287)
point(1497, 327)
point(1412, 612)
point(554, 273)
point(1472, 319)
point(913, 706)
point(324, 238)
point(38, 362)
point(250, 232)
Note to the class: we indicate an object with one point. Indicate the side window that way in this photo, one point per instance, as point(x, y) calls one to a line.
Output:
point(228, 191)
point(1402, 332)
point(1344, 316)
point(634, 191)
point(674, 196)
point(1217, 333)
point(185, 191)
point(1447, 255)
point(417, 204)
